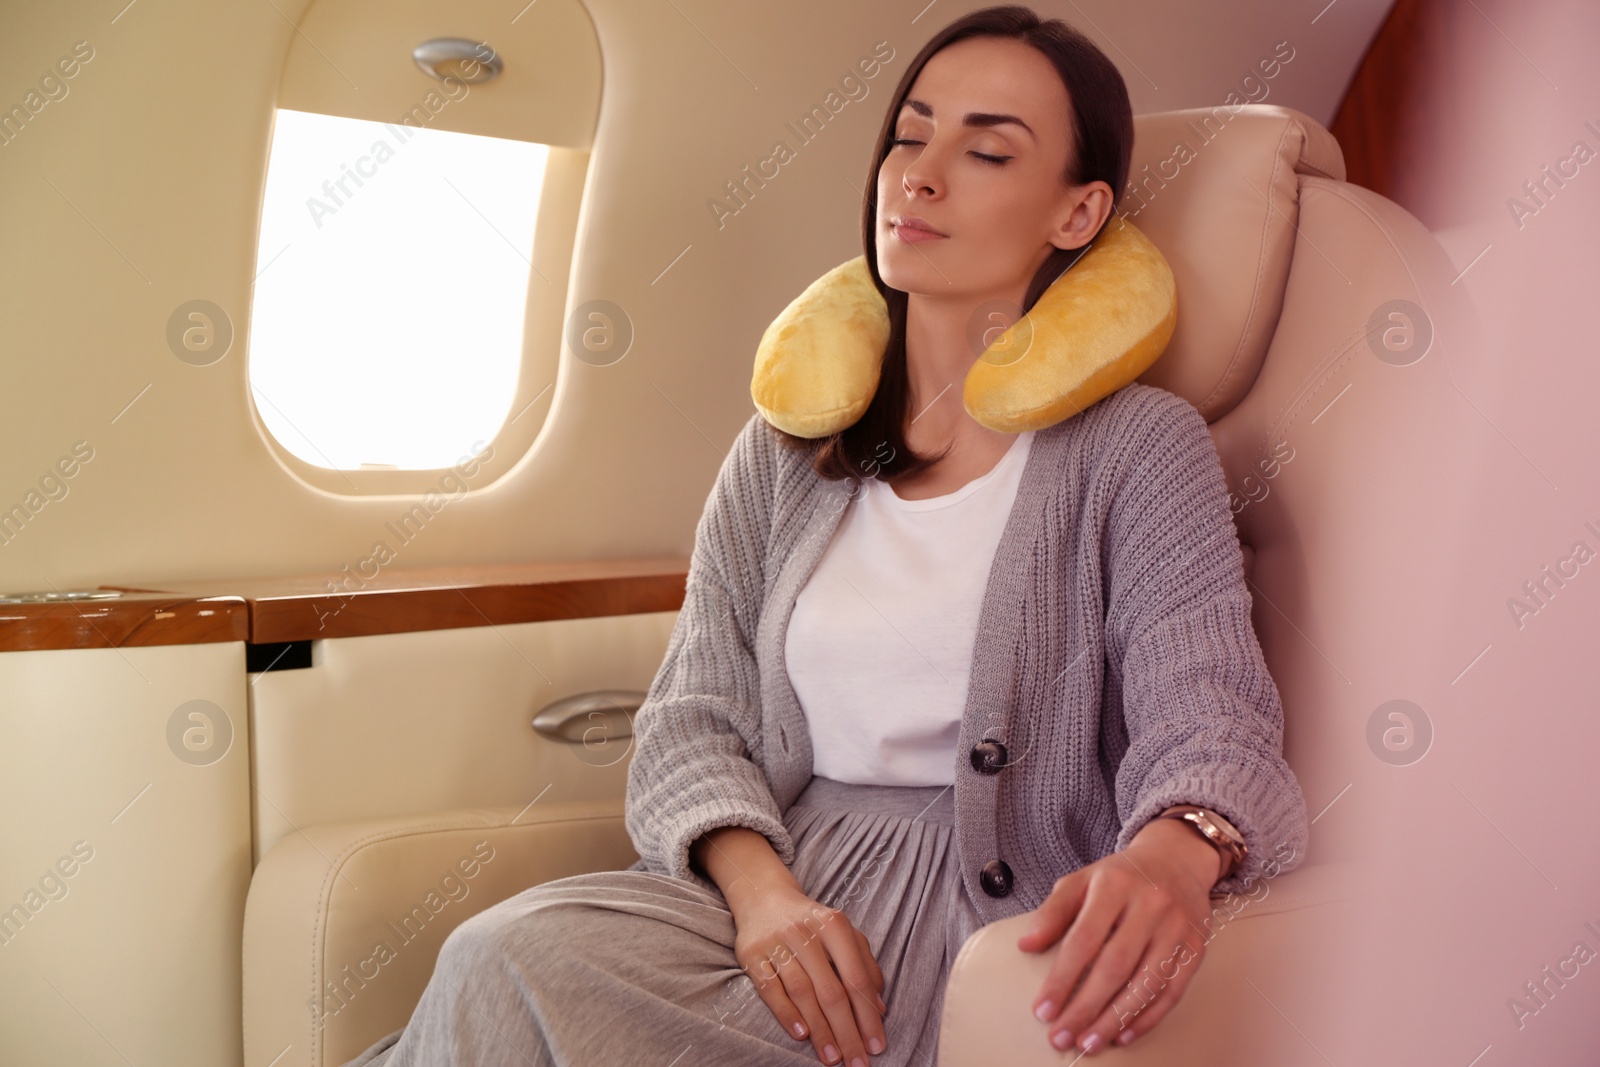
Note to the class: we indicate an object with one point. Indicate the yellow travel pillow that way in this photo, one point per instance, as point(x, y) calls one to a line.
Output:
point(1096, 328)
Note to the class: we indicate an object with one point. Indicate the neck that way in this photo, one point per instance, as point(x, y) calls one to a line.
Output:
point(944, 336)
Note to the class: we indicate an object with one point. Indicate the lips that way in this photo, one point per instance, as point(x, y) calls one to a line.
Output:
point(917, 225)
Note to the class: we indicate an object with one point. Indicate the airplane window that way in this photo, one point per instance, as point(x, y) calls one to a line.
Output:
point(390, 289)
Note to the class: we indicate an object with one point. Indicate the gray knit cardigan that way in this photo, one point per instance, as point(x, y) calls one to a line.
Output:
point(1115, 661)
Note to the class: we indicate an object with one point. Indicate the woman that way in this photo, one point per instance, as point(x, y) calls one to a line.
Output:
point(910, 694)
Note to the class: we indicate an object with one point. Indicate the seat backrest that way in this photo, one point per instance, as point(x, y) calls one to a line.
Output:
point(1316, 322)
point(1219, 194)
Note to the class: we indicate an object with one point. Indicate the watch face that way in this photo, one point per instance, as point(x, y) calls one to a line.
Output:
point(1218, 831)
point(1223, 824)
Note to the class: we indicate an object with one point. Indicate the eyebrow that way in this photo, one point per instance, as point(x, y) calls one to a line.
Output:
point(973, 118)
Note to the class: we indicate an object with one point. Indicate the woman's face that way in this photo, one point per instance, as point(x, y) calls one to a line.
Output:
point(999, 220)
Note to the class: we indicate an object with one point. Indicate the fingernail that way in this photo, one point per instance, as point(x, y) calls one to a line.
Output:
point(1061, 1038)
point(875, 1045)
point(799, 1030)
point(1126, 1038)
point(858, 1062)
point(830, 1053)
point(1045, 1011)
point(1090, 1043)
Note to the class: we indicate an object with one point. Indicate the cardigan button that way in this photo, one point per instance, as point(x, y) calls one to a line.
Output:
point(988, 756)
point(996, 878)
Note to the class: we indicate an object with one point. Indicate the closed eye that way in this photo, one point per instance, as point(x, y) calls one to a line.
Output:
point(998, 161)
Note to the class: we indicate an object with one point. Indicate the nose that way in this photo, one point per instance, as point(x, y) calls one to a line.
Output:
point(923, 175)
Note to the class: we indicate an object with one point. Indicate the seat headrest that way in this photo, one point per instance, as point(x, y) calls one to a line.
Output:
point(1217, 190)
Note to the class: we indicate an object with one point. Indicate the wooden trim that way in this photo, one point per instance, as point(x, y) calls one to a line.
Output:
point(1406, 97)
point(309, 607)
point(137, 620)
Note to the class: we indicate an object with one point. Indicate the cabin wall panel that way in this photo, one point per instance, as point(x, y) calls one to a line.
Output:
point(403, 724)
point(127, 849)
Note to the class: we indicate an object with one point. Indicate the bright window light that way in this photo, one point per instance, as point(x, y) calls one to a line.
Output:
point(391, 287)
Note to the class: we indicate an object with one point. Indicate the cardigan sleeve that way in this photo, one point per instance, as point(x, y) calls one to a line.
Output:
point(693, 769)
point(1203, 714)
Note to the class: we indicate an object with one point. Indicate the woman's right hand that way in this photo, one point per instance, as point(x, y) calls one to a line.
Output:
point(815, 970)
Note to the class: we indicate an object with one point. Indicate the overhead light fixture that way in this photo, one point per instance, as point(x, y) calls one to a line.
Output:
point(456, 57)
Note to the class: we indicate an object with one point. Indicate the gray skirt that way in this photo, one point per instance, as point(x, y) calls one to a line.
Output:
point(619, 968)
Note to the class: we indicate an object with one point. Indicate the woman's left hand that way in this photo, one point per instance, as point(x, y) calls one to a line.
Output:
point(1138, 916)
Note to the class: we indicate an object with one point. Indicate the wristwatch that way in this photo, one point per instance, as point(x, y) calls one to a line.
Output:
point(1219, 831)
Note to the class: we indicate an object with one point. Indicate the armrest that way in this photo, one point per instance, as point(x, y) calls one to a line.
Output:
point(344, 920)
point(1278, 938)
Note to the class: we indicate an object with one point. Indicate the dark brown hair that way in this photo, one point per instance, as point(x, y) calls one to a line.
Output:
point(1100, 148)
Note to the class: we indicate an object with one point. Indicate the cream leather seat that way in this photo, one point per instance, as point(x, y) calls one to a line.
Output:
point(1292, 286)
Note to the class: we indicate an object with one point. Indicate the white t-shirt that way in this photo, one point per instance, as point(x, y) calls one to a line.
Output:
point(880, 641)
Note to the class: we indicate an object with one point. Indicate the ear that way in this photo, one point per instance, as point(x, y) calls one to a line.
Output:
point(1095, 329)
point(1082, 216)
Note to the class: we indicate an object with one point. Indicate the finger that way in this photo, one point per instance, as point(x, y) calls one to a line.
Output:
point(769, 987)
point(872, 965)
point(1158, 985)
point(1102, 904)
point(1112, 967)
point(1053, 917)
point(852, 959)
point(802, 990)
point(828, 941)
point(839, 977)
